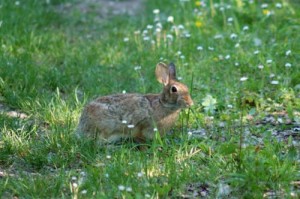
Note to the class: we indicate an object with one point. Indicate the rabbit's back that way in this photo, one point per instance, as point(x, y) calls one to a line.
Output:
point(110, 118)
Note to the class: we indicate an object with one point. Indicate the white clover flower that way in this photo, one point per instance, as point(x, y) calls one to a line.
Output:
point(147, 195)
point(218, 36)
point(170, 19)
point(257, 41)
point(190, 133)
point(108, 156)
point(233, 36)
point(182, 57)
point(269, 61)
point(74, 178)
point(74, 184)
point(256, 52)
point(179, 52)
point(140, 174)
point(158, 30)
point(199, 47)
point(128, 189)
point(137, 68)
point(124, 122)
point(221, 9)
point(274, 82)
point(243, 79)
point(126, 39)
point(83, 192)
point(146, 38)
point(237, 45)
point(228, 7)
point(187, 35)
point(272, 75)
point(278, 5)
point(210, 48)
point(245, 28)
point(288, 52)
point(145, 32)
point(260, 66)
point(106, 175)
point(169, 36)
point(227, 57)
point(121, 187)
point(229, 106)
point(130, 126)
point(230, 20)
point(17, 3)
point(236, 63)
point(159, 25)
point(152, 41)
point(124, 91)
point(264, 5)
point(156, 11)
point(155, 129)
point(149, 27)
point(180, 26)
point(288, 65)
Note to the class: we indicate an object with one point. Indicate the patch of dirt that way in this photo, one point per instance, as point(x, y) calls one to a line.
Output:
point(5, 110)
point(105, 8)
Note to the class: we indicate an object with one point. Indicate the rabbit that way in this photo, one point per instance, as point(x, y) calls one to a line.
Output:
point(112, 118)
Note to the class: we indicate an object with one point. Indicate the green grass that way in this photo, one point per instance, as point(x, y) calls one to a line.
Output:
point(52, 62)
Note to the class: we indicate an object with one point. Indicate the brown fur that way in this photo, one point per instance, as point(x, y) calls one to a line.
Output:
point(102, 118)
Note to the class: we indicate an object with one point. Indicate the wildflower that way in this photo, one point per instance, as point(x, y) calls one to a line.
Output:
point(74, 178)
point(108, 156)
point(221, 9)
point(180, 26)
point(157, 30)
point(124, 122)
point(140, 174)
point(170, 19)
point(272, 75)
point(137, 68)
point(83, 192)
point(278, 5)
point(257, 41)
point(256, 52)
point(137, 32)
point(260, 66)
point(264, 5)
point(237, 45)
point(121, 187)
point(128, 189)
point(155, 129)
point(236, 64)
point(190, 133)
point(187, 35)
point(245, 28)
point(233, 36)
point(146, 38)
point(147, 195)
point(198, 23)
point(74, 184)
point(198, 3)
point(269, 61)
point(218, 36)
point(179, 78)
point(169, 36)
point(126, 39)
point(149, 27)
point(229, 106)
point(288, 65)
point(266, 12)
point(159, 25)
point(106, 175)
point(230, 20)
point(130, 126)
point(199, 48)
point(227, 57)
point(243, 79)
point(156, 11)
point(179, 52)
point(124, 91)
point(182, 57)
point(211, 48)
point(274, 82)
point(288, 52)
point(17, 3)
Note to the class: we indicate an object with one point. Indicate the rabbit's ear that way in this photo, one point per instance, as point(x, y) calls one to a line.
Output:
point(162, 73)
point(172, 71)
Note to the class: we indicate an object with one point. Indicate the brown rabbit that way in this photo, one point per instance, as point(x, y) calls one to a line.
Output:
point(136, 116)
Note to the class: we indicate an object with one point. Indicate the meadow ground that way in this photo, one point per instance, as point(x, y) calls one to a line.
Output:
point(240, 59)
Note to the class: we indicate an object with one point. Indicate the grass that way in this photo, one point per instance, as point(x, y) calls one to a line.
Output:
point(240, 60)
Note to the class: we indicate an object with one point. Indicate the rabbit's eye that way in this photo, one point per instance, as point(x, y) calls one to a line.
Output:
point(173, 89)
